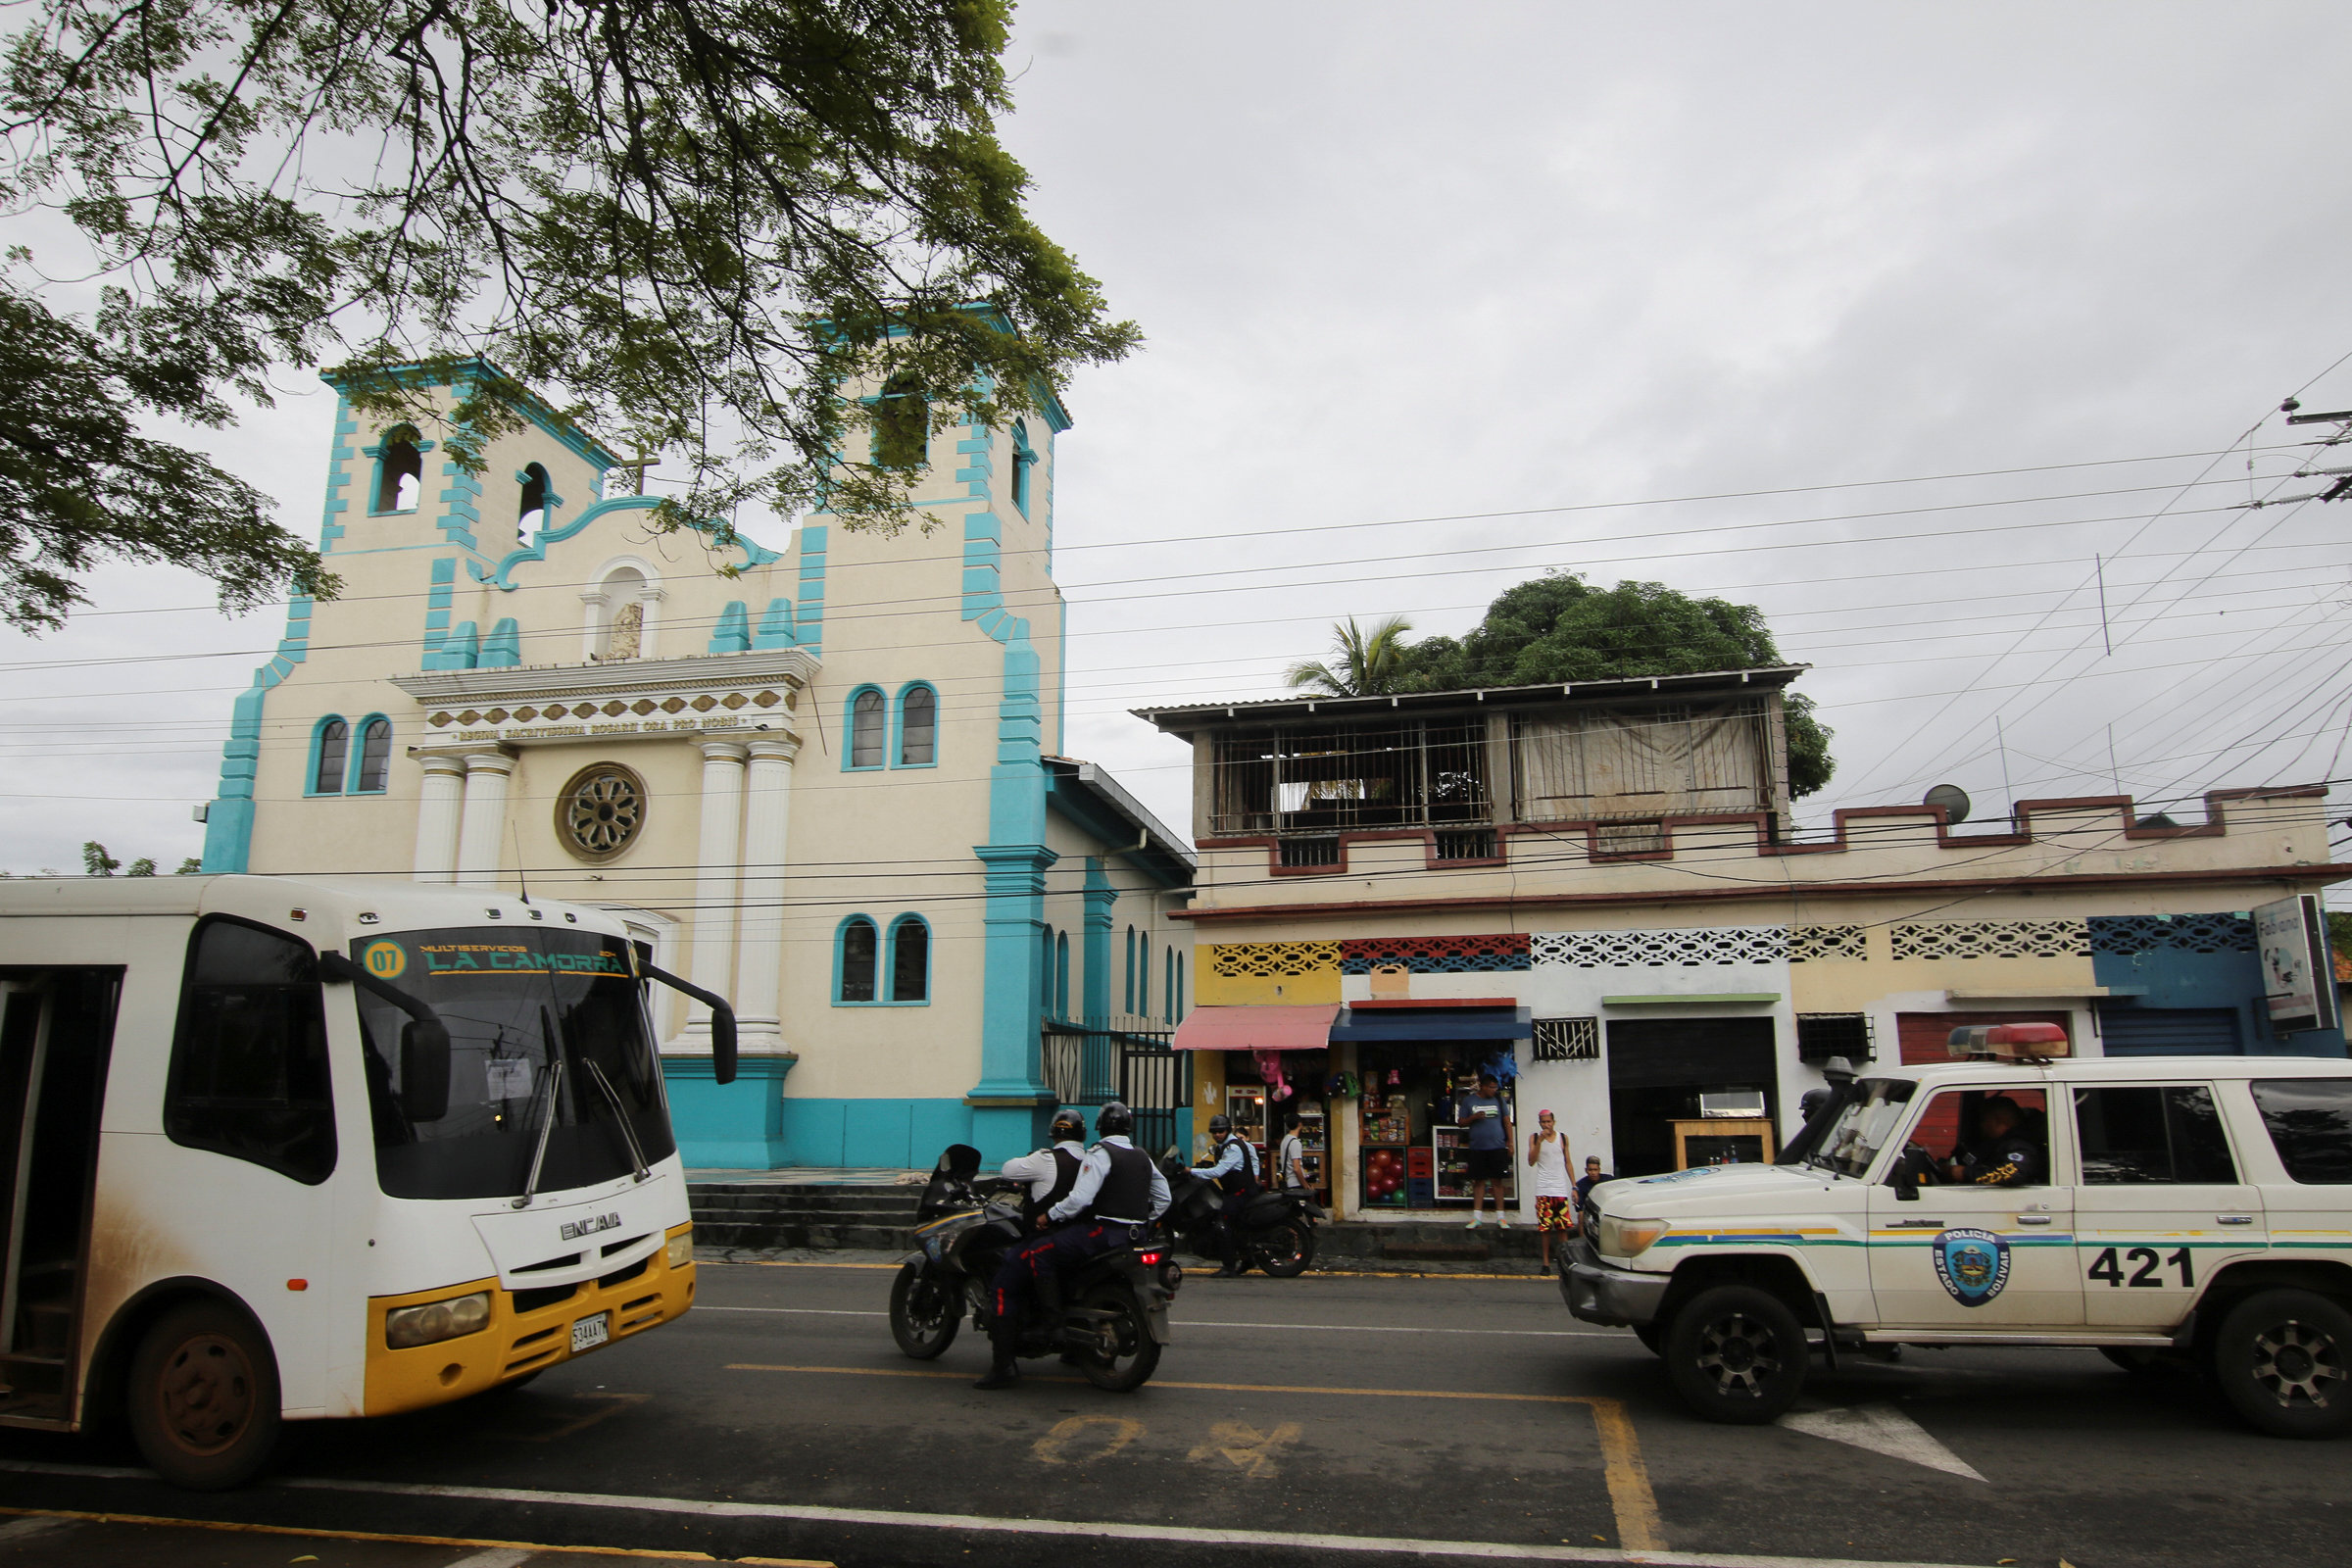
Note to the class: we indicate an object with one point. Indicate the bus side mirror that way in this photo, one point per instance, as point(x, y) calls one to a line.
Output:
point(424, 1057)
point(722, 1043)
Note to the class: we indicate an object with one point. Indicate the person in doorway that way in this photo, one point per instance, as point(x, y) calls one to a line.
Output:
point(1290, 1164)
point(1487, 1142)
point(1555, 1198)
point(1233, 1166)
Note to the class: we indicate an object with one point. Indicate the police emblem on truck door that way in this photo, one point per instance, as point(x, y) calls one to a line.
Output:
point(1972, 1264)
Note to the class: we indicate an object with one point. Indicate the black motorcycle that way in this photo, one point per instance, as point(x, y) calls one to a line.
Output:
point(1115, 1312)
point(1277, 1228)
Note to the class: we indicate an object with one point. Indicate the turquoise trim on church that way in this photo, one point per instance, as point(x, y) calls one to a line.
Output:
point(501, 577)
point(756, 1124)
point(775, 626)
point(503, 648)
point(733, 633)
point(811, 614)
point(229, 821)
point(338, 475)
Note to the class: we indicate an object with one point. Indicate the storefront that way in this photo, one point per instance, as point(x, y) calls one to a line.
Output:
point(1411, 1064)
point(1258, 1066)
point(1691, 1091)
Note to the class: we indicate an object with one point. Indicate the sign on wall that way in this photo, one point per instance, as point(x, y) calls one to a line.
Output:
point(2297, 977)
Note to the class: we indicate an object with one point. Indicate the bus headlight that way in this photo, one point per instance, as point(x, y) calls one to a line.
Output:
point(1628, 1238)
point(437, 1320)
point(681, 1249)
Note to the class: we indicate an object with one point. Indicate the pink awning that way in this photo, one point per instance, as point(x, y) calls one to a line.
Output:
point(1305, 1027)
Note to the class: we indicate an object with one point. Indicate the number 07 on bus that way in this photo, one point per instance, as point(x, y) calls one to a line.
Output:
point(281, 1149)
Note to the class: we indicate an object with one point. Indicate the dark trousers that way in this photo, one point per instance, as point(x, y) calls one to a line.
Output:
point(1229, 1228)
point(1037, 1262)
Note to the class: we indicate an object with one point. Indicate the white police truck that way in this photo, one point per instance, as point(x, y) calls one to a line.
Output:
point(2167, 1211)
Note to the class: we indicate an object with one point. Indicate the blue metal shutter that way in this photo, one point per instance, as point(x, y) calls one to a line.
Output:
point(2169, 1031)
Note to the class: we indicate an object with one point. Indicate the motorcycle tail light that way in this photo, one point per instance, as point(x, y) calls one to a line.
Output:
point(1149, 1257)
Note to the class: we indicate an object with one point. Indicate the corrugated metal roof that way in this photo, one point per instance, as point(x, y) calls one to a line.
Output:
point(1724, 680)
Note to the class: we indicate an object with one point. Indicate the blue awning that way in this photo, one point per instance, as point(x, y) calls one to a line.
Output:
point(1438, 1023)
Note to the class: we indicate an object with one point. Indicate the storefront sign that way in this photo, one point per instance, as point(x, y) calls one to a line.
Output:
point(2297, 977)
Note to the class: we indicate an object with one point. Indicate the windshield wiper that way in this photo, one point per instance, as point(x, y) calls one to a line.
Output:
point(546, 1125)
point(628, 1134)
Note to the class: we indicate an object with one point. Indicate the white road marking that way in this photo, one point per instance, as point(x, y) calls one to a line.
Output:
point(1392, 1545)
point(1882, 1429)
point(19, 1528)
point(495, 1557)
point(1206, 1323)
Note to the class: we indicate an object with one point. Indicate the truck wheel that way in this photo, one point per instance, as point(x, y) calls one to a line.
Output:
point(1736, 1354)
point(203, 1401)
point(2284, 1359)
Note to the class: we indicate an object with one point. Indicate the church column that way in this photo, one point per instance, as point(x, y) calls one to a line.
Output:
point(760, 950)
point(439, 803)
point(717, 853)
point(483, 821)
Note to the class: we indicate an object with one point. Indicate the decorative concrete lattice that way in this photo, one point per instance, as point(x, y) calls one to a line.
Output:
point(1236, 960)
point(1567, 1040)
point(1993, 939)
point(1662, 949)
point(1810, 943)
point(1506, 950)
point(2129, 935)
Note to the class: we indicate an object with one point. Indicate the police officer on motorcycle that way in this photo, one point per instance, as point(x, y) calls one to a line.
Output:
point(1234, 1168)
point(1112, 1202)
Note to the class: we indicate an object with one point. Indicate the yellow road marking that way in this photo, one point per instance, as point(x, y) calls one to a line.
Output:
point(1630, 1495)
point(1050, 1449)
point(1328, 1273)
point(237, 1527)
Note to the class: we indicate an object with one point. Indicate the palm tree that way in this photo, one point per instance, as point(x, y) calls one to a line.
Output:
point(1369, 663)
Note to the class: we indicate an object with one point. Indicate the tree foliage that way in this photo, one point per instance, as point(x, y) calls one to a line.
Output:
point(1367, 663)
point(1559, 627)
point(691, 222)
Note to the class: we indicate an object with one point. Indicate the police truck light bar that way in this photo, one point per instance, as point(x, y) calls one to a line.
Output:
point(2011, 1042)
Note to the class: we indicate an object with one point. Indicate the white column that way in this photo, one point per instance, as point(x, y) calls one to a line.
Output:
point(760, 948)
point(717, 854)
point(484, 820)
point(439, 803)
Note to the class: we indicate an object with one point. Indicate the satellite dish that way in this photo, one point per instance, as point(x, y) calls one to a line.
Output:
point(1954, 800)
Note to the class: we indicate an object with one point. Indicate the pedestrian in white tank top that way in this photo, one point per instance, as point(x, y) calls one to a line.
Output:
point(1555, 1195)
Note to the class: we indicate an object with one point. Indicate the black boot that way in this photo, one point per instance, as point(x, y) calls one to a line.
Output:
point(1005, 1369)
point(1230, 1247)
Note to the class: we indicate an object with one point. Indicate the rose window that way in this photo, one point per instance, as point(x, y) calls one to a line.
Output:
point(599, 813)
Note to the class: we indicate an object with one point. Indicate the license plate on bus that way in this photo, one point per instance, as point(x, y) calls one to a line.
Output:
point(590, 1331)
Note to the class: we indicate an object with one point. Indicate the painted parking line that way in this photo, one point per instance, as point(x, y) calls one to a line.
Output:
point(483, 1549)
point(1177, 1535)
point(1210, 1323)
point(1630, 1495)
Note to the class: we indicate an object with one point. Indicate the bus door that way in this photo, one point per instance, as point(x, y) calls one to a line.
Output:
point(56, 1031)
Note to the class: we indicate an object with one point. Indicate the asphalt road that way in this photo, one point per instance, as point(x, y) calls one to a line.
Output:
point(1316, 1420)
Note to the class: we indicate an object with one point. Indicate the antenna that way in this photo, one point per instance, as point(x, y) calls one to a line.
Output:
point(522, 877)
point(1954, 800)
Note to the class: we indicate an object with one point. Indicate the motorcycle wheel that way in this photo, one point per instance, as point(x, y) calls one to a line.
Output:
point(925, 1313)
point(1284, 1250)
point(1137, 1355)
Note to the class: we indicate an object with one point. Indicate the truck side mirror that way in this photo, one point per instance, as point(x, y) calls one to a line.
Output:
point(424, 1058)
point(722, 1043)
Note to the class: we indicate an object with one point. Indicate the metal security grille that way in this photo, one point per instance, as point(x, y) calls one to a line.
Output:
point(1330, 778)
point(1467, 844)
point(1310, 852)
point(1155, 1080)
point(1567, 1040)
point(1823, 1035)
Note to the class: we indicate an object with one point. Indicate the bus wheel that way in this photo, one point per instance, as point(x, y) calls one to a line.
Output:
point(203, 1401)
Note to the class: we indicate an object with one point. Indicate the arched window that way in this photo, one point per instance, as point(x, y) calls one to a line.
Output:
point(1024, 460)
point(859, 955)
point(1128, 989)
point(1061, 975)
point(375, 756)
point(1142, 976)
point(918, 727)
point(330, 749)
point(532, 515)
point(910, 960)
point(1176, 1009)
point(1167, 989)
point(1045, 972)
point(868, 720)
point(902, 425)
point(400, 471)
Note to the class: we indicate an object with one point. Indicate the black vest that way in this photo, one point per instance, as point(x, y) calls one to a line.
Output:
point(1065, 1177)
point(1126, 1189)
point(1243, 1178)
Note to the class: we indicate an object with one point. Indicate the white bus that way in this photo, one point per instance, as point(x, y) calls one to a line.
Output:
point(287, 1149)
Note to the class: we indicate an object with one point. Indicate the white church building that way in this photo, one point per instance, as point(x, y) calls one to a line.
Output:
point(829, 786)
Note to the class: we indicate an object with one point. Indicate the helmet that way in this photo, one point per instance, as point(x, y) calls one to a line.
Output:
point(1219, 1126)
point(1810, 1101)
point(1114, 1120)
point(1069, 1126)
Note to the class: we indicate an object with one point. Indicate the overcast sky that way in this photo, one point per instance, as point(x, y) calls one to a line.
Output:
point(1439, 297)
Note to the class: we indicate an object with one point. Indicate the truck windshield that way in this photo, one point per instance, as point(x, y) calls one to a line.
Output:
point(515, 1002)
point(1863, 1127)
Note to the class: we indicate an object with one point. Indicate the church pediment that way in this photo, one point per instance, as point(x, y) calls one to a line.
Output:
point(621, 699)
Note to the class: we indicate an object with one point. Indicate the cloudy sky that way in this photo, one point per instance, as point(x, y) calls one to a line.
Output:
point(1914, 327)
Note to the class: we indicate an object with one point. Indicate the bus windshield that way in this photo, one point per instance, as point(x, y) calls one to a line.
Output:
point(1863, 1126)
point(516, 1003)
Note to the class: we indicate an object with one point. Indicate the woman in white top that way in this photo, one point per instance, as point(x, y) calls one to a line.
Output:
point(1556, 1193)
